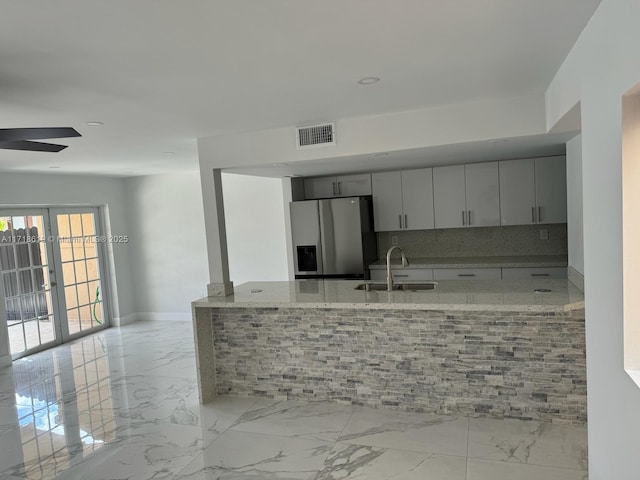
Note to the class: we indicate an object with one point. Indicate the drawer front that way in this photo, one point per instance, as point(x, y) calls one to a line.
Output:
point(535, 272)
point(467, 274)
point(403, 274)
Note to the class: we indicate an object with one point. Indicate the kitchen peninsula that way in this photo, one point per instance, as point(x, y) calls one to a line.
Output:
point(487, 348)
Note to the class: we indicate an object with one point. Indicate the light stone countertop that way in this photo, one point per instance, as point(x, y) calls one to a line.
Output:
point(476, 262)
point(461, 295)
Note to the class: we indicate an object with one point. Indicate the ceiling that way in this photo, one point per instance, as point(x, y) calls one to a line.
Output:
point(161, 73)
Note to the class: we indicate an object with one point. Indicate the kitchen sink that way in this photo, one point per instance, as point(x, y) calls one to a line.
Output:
point(406, 287)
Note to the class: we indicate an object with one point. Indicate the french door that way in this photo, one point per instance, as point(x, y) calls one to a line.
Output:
point(51, 263)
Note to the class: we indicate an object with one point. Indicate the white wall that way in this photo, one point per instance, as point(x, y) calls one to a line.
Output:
point(168, 244)
point(449, 124)
point(18, 189)
point(574, 204)
point(604, 64)
point(256, 241)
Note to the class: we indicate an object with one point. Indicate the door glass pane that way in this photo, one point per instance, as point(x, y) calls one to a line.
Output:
point(73, 320)
point(66, 251)
point(92, 269)
point(88, 227)
point(76, 225)
point(83, 294)
point(78, 248)
point(63, 226)
point(68, 274)
point(96, 303)
point(16, 338)
point(90, 249)
point(10, 280)
point(85, 317)
point(32, 333)
point(47, 333)
point(24, 267)
point(81, 271)
point(6, 253)
point(71, 296)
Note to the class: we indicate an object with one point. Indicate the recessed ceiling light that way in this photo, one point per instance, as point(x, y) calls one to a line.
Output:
point(94, 124)
point(54, 167)
point(368, 80)
point(169, 153)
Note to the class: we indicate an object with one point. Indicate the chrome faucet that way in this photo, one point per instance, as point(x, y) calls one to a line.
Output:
point(405, 263)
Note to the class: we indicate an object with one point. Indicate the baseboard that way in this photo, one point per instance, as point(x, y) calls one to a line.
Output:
point(126, 320)
point(576, 278)
point(164, 316)
point(5, 361)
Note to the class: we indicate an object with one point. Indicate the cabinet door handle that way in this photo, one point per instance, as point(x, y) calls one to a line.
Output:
point(469, 217)
point(400, 221)
point(339, 188)
point(539, 214)
point(533, 214)
point(463, 219)
point(406, 225)
point(334, 188)
point(539, 274)
point(466, 274)
point(400, 276)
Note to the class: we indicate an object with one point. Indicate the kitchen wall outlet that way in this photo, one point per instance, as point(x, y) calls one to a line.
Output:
point(544, 234)
point(394, 240)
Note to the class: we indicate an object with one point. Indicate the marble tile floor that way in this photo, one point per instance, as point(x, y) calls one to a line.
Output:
point(123, 404)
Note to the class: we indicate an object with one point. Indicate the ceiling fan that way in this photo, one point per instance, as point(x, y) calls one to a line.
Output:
point(21, 138)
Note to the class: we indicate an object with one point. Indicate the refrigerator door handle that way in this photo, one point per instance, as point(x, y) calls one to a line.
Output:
point(327, 236)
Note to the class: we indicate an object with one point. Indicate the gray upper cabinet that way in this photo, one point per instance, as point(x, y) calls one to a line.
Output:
point(533, 191)
point(319, 187)
point(466, 195)
point(387, 201)
point(449, 197)
point(483, 194)
point(403, 200)
point(517, 192)
point(337, 186)
point(417, 199)
point(551, 190)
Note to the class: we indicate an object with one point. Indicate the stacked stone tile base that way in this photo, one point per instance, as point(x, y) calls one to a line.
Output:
point(495, 364)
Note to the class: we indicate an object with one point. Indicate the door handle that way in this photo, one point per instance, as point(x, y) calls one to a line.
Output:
point(463, 219)
point(406, 225)
point(533, 214)
point(466, 274)
point(539, 274)
point(53, 284)
point(469, 217)
point(400, 221)
point(339, 188)
point(334, 188)
point(539, 214)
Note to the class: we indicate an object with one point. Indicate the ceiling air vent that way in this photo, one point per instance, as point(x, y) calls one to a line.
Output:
point(316, 135)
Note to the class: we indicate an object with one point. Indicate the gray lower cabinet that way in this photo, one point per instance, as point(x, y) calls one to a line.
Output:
point(534, 272)
point(403, 274)
point(505, 273)
point(467, 273)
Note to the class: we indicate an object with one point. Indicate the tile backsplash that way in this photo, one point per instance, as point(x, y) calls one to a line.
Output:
point(479, 241)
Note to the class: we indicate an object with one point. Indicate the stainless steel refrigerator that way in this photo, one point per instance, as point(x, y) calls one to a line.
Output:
point(333, 238)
